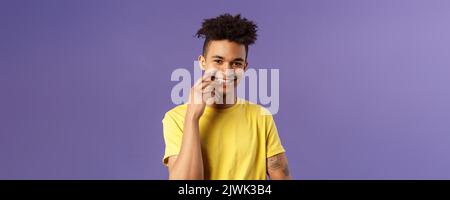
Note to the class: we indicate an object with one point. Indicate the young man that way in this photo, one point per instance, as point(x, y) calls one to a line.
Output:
point(216, 135)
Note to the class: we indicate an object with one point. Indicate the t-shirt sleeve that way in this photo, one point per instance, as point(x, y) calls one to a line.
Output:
point(273, 143)
point(173, 132)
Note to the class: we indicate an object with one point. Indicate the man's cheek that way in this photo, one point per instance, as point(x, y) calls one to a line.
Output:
point(239, 74)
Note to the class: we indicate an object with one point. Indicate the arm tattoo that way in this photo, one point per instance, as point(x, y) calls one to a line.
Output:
point(276, 163)
point(286, 170)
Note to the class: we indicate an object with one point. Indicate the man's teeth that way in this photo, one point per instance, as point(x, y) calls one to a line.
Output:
point(225, 80)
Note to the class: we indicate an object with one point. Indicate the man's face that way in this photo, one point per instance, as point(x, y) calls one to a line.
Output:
point(228, 58)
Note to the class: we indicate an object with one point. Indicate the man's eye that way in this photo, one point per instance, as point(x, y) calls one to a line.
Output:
point(218, 61)
point(237, 64)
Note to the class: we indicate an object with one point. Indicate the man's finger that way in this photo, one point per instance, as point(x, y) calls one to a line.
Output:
point(208, 83)
point(209, 74)
point(208, 88)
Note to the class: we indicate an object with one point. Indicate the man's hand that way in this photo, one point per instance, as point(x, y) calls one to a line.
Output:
point(201, 94)
point(188, 164)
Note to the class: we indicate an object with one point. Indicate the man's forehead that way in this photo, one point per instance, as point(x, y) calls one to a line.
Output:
point(226, 50)
point(238, 58)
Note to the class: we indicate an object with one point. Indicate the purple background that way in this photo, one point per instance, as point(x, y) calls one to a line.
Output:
point(364, 84)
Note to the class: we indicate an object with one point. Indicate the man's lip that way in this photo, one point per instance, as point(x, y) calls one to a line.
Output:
point(226, 79)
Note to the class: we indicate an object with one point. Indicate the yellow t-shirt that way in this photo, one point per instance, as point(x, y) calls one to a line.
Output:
point(235, 141)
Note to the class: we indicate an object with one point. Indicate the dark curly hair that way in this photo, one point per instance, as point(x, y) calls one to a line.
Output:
point(226, 26)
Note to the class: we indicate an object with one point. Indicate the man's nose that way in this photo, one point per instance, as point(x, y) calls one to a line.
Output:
point(229, 66)
point(225, 73)
point(226, 66)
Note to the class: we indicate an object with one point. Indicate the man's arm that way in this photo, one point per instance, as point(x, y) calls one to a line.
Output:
point(188, 164)
point(277, 167)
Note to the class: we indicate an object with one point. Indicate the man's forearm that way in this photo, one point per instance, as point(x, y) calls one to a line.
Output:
point(189, 163)
point(277, 167)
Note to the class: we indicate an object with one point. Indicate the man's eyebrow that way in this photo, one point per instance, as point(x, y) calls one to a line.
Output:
point(238, 59)
point(235, 60)
point(219, 57)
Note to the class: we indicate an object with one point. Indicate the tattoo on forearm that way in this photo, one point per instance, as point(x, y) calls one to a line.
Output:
point(274, 162)
point(278, 163)
point(286, 170)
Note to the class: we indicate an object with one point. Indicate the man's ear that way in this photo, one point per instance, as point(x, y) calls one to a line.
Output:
point(245, 66)
point(202, 62)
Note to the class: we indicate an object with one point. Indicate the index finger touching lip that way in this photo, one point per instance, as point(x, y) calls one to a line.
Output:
point(209, 74)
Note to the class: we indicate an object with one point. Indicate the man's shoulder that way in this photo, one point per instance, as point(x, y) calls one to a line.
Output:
point(254, 108)
point(176, 112)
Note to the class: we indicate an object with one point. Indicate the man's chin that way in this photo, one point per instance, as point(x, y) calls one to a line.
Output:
point(221, 95)
point(225, 91)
